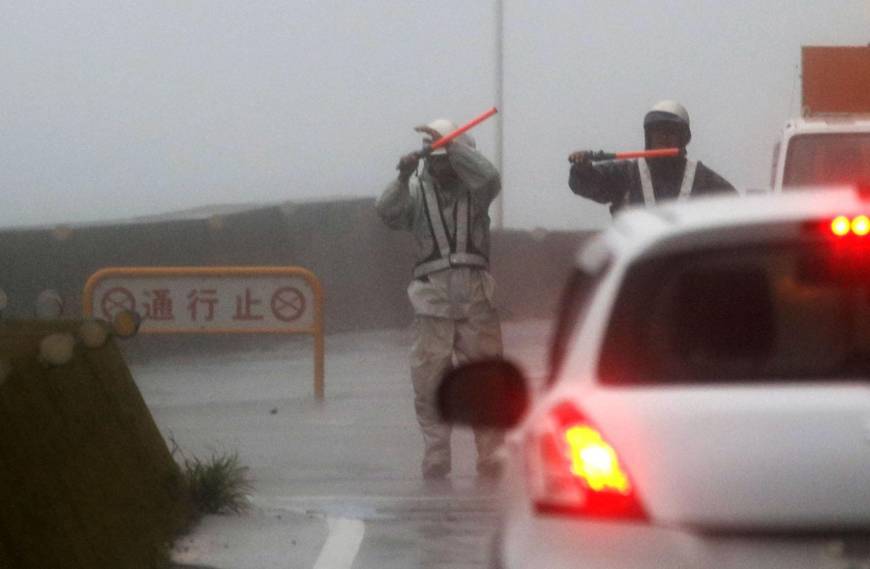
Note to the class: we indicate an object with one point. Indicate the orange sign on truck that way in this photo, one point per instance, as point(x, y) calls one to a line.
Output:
point(835, 80)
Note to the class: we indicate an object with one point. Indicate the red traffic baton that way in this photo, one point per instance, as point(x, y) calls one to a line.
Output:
point(447, 138)
point(656, 153)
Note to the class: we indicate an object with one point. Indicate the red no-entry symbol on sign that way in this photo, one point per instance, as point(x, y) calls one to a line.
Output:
point(116, 300)
point(288, 304)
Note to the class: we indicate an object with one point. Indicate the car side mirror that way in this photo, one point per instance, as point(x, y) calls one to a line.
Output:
point(489, 393)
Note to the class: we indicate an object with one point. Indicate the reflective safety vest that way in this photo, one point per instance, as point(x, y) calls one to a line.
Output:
point(649, 196)
point(451, 251)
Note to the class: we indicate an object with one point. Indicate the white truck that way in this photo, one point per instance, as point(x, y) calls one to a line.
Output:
point(830, 143)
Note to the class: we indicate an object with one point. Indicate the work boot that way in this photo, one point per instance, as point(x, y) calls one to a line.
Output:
point(435, 471)
point(489, 470)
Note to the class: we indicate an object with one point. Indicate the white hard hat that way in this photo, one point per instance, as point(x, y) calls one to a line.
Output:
point(445, 127)
point(672, 107)
point(442, 127)
point(671, 112)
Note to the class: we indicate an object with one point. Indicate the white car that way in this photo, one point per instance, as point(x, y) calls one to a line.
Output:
point(708, 402)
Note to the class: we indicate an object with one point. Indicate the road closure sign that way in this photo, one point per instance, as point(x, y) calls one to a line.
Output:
point(213, 300)
point(208, 299)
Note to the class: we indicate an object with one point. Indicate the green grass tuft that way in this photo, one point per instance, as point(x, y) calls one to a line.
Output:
point(217, 485)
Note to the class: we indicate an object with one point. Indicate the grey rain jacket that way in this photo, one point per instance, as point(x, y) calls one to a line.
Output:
point(456, 289)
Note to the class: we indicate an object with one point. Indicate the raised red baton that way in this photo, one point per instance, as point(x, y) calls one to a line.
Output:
point(458, 132)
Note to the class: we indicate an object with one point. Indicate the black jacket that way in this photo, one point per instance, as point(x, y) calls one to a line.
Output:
point(618, 182)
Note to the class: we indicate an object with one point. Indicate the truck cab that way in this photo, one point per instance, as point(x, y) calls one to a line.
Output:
point(829, 144)
point(822, 150)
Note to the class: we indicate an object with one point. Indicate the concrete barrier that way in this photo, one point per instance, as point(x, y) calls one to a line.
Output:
point(86, 480)
point(363, 266)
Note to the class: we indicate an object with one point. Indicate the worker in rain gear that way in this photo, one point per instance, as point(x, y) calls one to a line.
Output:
point(446, 208)
point(642, 181)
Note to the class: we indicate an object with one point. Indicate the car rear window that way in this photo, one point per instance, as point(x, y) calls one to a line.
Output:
point(784, 312)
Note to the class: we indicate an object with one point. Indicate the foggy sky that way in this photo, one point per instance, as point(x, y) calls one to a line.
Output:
point(116, 109)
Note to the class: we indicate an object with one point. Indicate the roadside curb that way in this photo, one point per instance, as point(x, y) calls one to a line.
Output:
point(240, 541)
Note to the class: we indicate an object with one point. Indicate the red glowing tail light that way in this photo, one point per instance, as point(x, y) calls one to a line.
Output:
point(843, 226)
point(574, 470)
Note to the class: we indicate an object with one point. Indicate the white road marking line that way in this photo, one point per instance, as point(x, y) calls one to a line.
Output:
point(342, 544)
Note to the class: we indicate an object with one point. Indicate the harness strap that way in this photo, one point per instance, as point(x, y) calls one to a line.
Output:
point(649, 196)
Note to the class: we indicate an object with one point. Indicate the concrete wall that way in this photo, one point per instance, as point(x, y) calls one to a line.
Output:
point(363, 266)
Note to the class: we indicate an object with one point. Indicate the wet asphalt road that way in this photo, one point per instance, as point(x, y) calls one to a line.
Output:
point(351, 459)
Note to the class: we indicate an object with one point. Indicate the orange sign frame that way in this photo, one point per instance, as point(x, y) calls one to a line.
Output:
point(316, 329)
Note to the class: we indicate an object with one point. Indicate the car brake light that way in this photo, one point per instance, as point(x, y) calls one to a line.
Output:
point(861, 225)
point(574, 470)
point(842, 226)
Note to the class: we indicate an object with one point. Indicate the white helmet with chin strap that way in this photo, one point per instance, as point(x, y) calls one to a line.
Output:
point(672, 112)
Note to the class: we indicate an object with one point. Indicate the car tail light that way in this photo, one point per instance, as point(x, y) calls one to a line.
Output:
point(574, 470)
point(860, 225)
point(842, 226)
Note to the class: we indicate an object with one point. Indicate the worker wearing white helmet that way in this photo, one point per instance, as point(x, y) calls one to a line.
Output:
point(648, 181)
point(446, 208)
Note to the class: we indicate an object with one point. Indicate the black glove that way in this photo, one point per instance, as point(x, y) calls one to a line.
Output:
point(407, 165)
point(581, 157)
